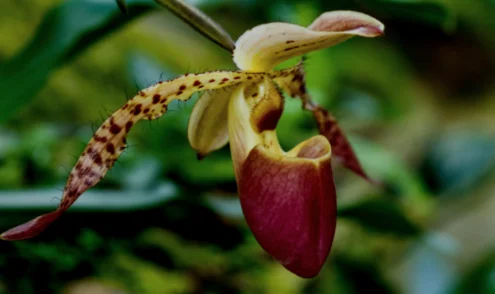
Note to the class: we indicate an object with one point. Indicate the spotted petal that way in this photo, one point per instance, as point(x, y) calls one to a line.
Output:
point(267, 45)
point(109, 141)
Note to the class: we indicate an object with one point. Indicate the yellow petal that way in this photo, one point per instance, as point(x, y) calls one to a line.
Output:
point(265, 46)
point(207, 130)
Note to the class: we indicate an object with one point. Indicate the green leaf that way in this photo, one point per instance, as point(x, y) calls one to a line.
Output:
point(69, 29)
point(380, 215)
point(65, 31)
point(94, 200)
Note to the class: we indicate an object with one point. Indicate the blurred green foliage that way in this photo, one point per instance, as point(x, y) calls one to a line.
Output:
point(418, 105)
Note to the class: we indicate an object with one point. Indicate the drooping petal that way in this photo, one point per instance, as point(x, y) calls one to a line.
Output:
point(109, 141)
point(342, 149)
point(208, 130)
point(265, 46)
point(32, 227)
point(288, 198)
point(293, 83)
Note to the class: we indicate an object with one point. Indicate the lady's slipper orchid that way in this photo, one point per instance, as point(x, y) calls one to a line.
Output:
point(288, 198)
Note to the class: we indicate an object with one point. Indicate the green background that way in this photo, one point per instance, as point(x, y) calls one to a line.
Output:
point(418, 105)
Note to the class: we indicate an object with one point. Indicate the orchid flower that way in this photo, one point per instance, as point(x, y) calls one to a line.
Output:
point(288, 198)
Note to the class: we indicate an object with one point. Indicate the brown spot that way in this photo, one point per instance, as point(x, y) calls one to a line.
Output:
point(196, 83)
point(101, 139)
point(249, 77)
point(201, 87)
point(88, 182)
point(289, 41)
point(182, 88)
point(237, 78)
point(211, 81)
point(110, 148)
point(302, 88)
point(291, 48)
point(78, 166)
point(83, 172)
point(146, 110)
point(90, 150)
point(114, 129)
point(97, 159)
point(142, 94)
point(137, 109)
point(179, 93)
point(125, 106)
point(296, 78)
point(156, 98)
point(128, 126)
point(72, 193)
point(225, 80)
point(254, 95)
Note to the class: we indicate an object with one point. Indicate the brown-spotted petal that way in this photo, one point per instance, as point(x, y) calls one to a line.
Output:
point(342, 149)
point(289, 203)
point(208, 130)
point(109, 141)
point(265, 46)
